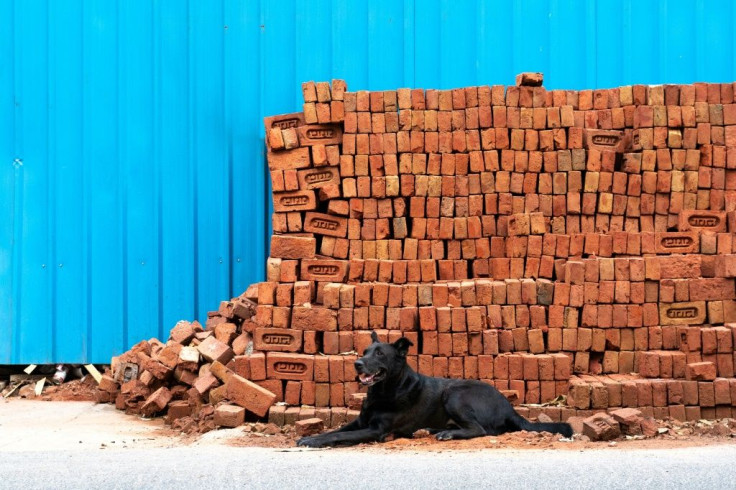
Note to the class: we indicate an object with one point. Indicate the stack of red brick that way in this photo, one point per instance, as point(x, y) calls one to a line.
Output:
point(516, 235)
point(547, 242)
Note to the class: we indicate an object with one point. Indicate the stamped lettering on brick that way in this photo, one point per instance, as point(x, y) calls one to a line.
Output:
point(319, 134)
point(323, 270)
point(714, 221)
point(325, 224)
point(686, 312)
point(294, 201)
point(284, 367)
point(285, 121)
point(318, 177)
point(604, 140)
point(289, 366)
point(277, 339)
point(703, 221)
point(690, 313)
point(674, 242)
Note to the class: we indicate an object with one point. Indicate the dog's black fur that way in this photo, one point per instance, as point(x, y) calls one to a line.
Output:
point(401, 401)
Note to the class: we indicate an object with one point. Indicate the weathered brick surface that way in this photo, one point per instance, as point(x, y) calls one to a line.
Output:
point(215, 350)
point(700, 371)
point(601, 427)
point(308, 427)
point(182, 332)
point(229, 416)
point(249, 395)
point(157, 402)
point(314, 318)
point(293, 246)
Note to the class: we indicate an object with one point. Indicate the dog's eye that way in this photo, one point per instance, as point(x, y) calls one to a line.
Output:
point(379, 353)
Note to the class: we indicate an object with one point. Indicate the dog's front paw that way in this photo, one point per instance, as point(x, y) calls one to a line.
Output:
point(445, 435)
point(311, 441)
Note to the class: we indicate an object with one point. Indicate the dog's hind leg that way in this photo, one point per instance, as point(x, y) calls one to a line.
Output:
point(473, 429)
point(463, 417)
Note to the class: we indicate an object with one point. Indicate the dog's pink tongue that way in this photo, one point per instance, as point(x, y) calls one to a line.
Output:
point(365, 378)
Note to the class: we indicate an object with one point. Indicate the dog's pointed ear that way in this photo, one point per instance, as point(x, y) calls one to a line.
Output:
point(374, 337)
point(402, 345)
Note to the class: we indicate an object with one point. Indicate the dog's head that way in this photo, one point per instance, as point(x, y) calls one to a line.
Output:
point(381, 361)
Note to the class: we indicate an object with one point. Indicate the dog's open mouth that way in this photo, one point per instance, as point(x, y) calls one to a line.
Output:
point(371, 379)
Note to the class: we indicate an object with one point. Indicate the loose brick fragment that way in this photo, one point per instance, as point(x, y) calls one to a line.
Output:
point(308, 427)
point(182, 332)
point(229, 416)
point(249, 395)
point(601, 427)
point(156, 402)
point(629, 419)
point(529, 79)
point(215, 350)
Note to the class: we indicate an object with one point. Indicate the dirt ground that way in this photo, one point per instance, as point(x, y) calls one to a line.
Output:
point(671, 434)
point(682, 437)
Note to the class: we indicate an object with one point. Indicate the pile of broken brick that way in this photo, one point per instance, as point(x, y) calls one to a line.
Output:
point(188, 377)
point(554, 243)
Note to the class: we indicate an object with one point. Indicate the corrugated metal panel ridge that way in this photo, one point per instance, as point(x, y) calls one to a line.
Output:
point(132, 185)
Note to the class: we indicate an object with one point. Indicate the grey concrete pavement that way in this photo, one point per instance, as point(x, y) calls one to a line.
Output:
point(40, 448)
point(258, 468)
point(36, 425)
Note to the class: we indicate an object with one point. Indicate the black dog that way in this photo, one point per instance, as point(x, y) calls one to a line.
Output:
point(401, 401)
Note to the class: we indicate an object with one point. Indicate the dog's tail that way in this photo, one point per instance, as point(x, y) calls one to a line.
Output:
point(553, 427)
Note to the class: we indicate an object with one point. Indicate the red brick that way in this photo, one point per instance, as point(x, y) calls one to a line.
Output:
point(214, 350)
point(677, 242)
point(229, 416)
point(156, 402)
point(700, 371)
point(293, 246)
point(249, 395)
point(182, 333)
point(205, 383)
point(289, 159)
point(326, 224)
point(314, 318)
point(308, 427)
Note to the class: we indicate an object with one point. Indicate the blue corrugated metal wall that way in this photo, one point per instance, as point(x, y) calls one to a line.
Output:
point(133, 191)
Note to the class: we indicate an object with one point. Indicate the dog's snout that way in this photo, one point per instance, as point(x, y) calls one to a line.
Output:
point(359, 365)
